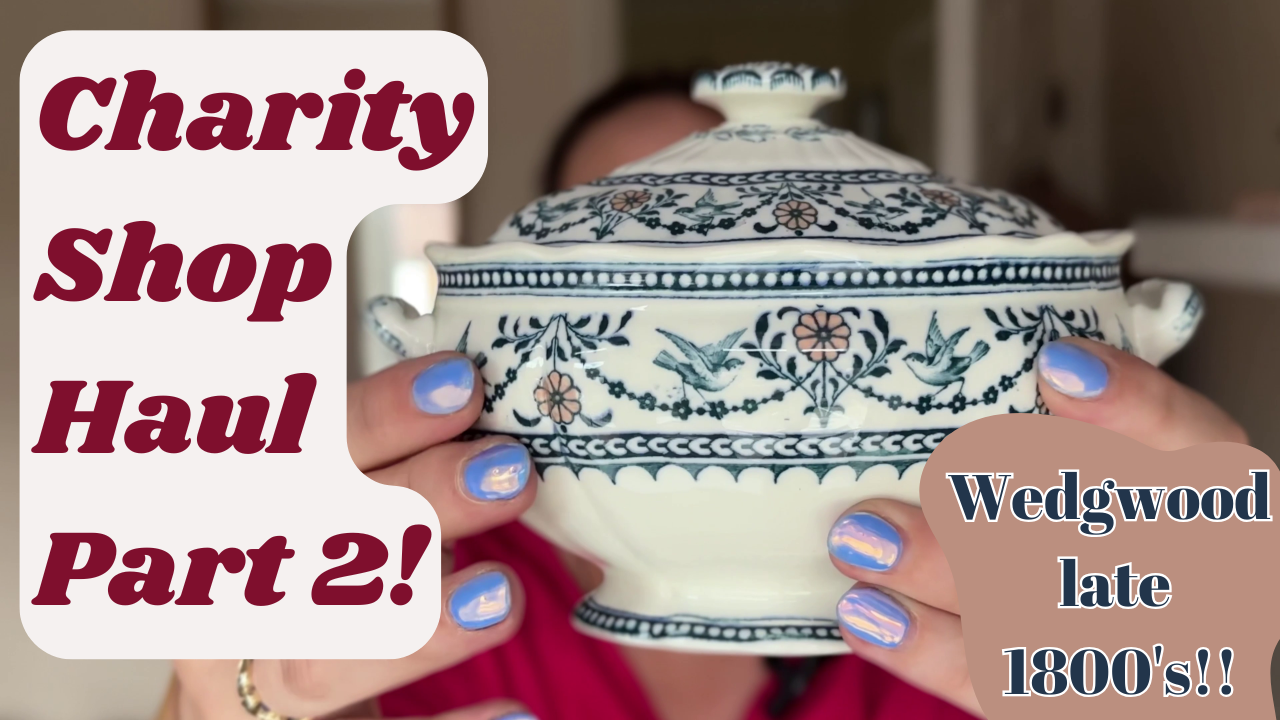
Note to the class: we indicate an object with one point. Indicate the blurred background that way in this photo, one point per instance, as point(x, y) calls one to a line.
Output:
point(1162, 115)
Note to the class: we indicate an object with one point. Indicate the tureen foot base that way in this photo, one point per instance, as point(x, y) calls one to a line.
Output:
point(773, 636)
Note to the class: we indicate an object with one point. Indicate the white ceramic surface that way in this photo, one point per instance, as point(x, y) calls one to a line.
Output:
point(714, 351)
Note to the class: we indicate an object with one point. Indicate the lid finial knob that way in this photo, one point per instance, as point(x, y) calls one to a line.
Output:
point(768, 92)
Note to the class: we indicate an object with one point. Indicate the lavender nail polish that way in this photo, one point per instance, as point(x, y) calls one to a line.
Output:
point(444, 388)
point(866, 541)
point(497, 473)
point(481, 602)
point(873, 616)
point(1072, 370)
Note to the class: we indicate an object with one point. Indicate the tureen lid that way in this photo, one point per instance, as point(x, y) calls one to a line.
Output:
point(772, 172)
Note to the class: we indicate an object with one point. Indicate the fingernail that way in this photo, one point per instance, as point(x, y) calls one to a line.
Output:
point(864, 540)
point(497, 473)
point(874, 616)
point(517, 716)
point(445, 387)
point(1072, 370)
point(481, 602)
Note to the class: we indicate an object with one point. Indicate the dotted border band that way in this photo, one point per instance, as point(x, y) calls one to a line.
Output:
point(710, 281)
point(599, 617)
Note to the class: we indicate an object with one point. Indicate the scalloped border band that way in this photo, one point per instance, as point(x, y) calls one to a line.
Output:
point(734, 453)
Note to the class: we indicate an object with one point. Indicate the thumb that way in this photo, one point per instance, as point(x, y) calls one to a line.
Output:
point(1101, 385)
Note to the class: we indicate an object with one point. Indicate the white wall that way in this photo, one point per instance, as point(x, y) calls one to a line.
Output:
point(1194, 111)
point(544, 59)
point(1022, 50)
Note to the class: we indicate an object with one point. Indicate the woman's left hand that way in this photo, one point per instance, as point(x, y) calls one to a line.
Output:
point(904, 614)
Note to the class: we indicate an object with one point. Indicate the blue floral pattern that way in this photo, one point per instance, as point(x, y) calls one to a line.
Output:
point(882, 206)
point(822, 353)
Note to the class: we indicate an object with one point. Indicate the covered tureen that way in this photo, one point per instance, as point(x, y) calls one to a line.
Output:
point(714, 351)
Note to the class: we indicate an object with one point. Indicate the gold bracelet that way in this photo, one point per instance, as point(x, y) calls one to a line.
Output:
point(249, 697)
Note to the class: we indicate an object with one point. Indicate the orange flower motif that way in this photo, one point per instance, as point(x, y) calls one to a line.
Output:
point(558, 398)
point(821, 335)
point(629, 200)
point(795, 214)
point(942, 197)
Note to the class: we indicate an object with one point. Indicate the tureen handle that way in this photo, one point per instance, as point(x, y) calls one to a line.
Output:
point(400, 327)
point(768, 92)
point(1165, 316)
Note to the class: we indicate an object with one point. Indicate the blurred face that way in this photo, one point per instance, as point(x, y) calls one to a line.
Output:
point(633, 131)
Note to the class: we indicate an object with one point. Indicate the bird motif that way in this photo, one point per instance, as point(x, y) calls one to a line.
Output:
point(939, 365)
point(705, 210)
point(708, 368)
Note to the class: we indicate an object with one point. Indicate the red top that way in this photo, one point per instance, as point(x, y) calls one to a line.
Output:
point(560, 674)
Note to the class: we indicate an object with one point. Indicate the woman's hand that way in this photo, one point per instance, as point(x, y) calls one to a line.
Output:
point(400, 429)
point(904, 614)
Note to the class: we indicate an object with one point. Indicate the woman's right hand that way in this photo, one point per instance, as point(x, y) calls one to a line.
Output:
point(904, 615)
point(400, 429)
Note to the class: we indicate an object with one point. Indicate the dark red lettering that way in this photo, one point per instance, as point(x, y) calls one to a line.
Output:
point(384, 105)
point(433, 131)
point(124, 588)
point(293, 413)
point(60, 569)
point(168, 434)
point(203, 273)
point(371, 554)
point(259, 589)
point(85, 274)
point(212, 436)
point(62, 412)
point(55, 113)
point(231, 132)
point(280, 110)
point(137, 253)
point(274, 290)
point(204, 565)
point(342, 118)
point(137, 103)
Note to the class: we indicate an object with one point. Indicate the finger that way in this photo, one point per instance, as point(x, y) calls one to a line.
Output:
point(1101, 385)
point(473, 486)
point(918, 643)
point(889, 543)
point(491, 710)
point(482, 607)
point(411, 406)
